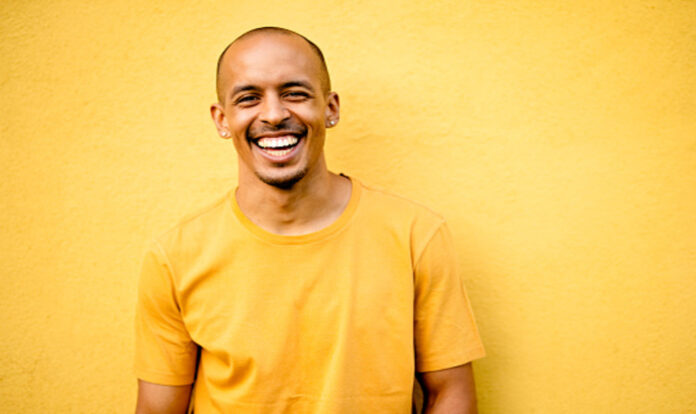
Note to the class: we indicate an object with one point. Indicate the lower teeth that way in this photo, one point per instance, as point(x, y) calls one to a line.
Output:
point(278, 153)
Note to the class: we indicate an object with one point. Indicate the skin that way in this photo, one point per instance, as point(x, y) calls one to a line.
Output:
point(162, 399)
point(273, 84)
point(449, 391)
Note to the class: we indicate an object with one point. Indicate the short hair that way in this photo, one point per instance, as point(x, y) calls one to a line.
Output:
point(278, 30)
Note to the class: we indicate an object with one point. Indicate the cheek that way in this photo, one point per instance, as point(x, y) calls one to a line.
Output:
point(241, 146)
point(314, 118)
point(239, 121)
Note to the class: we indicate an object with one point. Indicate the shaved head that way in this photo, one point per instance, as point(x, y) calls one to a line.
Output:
point(270, 30)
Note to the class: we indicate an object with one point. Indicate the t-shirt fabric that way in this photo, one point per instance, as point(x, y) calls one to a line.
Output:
point(335, 321)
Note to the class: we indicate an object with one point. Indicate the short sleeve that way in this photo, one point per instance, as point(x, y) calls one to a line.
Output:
point(444, 328)
point(164, 351)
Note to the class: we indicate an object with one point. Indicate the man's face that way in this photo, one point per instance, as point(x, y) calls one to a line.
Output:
point(275, 108)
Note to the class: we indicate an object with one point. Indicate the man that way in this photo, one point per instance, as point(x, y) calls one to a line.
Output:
point(303, 291)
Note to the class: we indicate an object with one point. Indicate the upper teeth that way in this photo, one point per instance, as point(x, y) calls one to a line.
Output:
point(277, 142)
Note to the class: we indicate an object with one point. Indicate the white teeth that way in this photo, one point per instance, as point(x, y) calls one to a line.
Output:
point(278, 153)
point(277, 142)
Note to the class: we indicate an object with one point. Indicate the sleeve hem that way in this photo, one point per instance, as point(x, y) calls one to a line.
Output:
point(452, 361)
point(163, 379)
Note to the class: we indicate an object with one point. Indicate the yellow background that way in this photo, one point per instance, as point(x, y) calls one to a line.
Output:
point(558, 138)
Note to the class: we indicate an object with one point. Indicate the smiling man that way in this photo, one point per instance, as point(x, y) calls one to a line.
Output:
point(302, 291)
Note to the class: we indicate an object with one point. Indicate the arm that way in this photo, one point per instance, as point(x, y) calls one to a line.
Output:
point(162, 399)
point(449, 390)
point(164, 350)
point(444, 330)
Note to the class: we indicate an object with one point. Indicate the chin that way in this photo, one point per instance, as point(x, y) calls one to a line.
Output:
point(284, 182)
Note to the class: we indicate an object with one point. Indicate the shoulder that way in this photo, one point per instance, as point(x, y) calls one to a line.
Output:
point(201, 224)
point(390, 204)
point(402, 214)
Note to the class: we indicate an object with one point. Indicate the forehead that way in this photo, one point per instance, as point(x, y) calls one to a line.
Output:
point(270, 59)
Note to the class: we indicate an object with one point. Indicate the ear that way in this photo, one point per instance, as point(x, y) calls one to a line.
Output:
point(218, 114)
point(333, 110)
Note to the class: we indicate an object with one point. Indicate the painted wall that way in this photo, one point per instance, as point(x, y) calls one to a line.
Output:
point(558, 138)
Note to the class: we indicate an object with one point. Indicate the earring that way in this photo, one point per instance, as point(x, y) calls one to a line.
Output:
point(332, 122)
point(225, 134)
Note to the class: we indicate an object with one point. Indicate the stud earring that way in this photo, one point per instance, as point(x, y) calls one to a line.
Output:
point(332, 122)
point(225, 134)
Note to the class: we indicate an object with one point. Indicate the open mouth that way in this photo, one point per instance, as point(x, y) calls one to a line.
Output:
point(277, 146)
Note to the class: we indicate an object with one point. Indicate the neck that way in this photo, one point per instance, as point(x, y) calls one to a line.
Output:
point(311, 204)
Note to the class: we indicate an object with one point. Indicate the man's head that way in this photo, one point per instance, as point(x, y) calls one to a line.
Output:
point(275, 104)
point(220, 77)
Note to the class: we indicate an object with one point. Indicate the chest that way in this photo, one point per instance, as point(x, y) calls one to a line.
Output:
point(274, 297)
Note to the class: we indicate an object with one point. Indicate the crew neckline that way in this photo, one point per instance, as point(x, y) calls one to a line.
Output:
point(332, 228)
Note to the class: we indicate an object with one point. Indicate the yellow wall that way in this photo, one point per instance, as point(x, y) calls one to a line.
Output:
point(559, 139)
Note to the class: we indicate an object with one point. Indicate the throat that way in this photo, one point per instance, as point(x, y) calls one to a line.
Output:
point(306, 208)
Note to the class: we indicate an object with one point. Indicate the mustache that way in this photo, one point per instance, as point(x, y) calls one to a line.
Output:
point(290, 127)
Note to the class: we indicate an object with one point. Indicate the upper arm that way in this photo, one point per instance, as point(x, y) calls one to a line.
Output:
point(164, 351)
point(162, 399)
point(445, 333)
point(452, 390)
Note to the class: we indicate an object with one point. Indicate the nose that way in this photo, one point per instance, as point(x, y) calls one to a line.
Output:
point(273, 111)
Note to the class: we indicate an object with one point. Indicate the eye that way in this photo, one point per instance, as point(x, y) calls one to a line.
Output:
point(297, 95)
point(246, 100)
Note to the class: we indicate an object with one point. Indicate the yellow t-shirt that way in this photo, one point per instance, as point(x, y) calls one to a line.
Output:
point(334, 321)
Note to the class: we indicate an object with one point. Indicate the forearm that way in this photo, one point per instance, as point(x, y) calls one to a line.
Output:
point(162, 399)
point(450, 403)
point(449, 391)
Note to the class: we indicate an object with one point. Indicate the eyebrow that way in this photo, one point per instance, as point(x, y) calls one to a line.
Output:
point(243, 88)
point(301, 84)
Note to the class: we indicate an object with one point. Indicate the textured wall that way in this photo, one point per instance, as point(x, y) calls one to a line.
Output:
point(559, 139)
